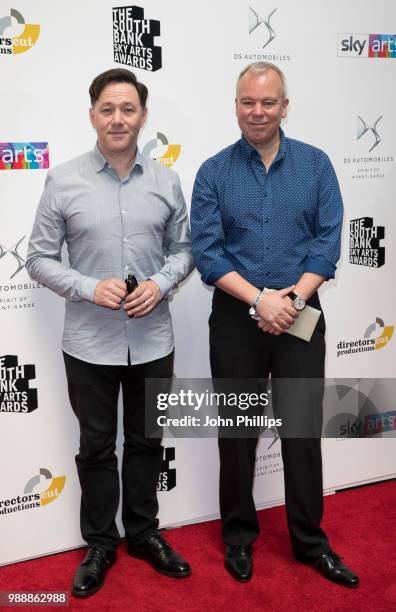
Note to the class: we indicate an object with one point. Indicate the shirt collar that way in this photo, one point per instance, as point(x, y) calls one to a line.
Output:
point(100, 162)
point(248, 150)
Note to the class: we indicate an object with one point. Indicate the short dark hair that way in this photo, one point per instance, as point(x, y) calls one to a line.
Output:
point(117, 75)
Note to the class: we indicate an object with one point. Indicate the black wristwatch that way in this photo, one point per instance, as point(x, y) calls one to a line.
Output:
point(298, 302)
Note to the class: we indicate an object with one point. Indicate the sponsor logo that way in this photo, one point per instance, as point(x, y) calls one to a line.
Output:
point(255, 21)
point(364, 243)
point(39, 491)
point(364, 127)
point(352, 408)
point(160, 150)
point(376, 336)
point(365, 162)
point(133, 39)
point(24, 155)
point(262, 34)
point(15, 393)
point(367, 45)
point(13, 250)
point(14, 296)
point(167, 477)
point(19, 42)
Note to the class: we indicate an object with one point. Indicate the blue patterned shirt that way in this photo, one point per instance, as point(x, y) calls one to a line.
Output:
point(269, 226)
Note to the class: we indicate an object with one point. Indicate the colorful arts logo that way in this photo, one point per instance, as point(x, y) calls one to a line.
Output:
point(24, 155)
point(21, 42)
point(160, 150)
point(367, 45)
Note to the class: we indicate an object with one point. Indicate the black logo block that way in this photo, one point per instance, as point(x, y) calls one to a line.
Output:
point(364, 243)
point(15, 394)
point(167, 477)
point(133, 39)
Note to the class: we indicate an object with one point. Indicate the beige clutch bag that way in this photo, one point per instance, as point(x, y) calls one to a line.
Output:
point(303, 327)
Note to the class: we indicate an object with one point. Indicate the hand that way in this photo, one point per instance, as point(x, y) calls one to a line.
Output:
point(276, 311)
point(109, 293)
point(143, 299)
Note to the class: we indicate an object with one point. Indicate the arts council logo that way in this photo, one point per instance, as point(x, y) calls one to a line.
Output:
point(364, 243)
point(160, 150)
point(367, 45)
point(263, 43)
point(376, 336)
point(24, 155)
point(21, 42)
point(133, 39)
point(34, 496)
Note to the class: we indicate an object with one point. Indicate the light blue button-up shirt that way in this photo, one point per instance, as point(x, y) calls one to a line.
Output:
point(112, 228)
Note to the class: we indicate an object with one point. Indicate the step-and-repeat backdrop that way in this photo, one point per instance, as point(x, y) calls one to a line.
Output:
point(339, 60)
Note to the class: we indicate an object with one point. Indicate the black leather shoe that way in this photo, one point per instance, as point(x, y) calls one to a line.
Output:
point(238, 562)
point(332, 568)
point(161, 556)
point(90, 576)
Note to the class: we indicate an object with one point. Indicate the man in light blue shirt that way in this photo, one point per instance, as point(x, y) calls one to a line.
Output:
point(267, 213)
point(120, 214)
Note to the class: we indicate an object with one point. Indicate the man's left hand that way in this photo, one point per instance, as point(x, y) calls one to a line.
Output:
point(143, 299)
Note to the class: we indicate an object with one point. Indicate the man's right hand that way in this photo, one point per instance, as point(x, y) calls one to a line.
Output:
point(277, 314)
point(110, 292)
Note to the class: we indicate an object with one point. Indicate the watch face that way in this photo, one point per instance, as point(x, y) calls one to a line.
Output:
point(299, 303)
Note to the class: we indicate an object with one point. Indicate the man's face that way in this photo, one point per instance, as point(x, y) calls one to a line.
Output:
point(260, 106)
point(117, 118)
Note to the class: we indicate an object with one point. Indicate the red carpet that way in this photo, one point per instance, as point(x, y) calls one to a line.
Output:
point(360, 524)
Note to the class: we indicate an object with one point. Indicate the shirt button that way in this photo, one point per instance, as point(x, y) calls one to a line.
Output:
point(123, 212)
point(265, 194)
point(126, 268)
point(266, 220)
point(124, 240)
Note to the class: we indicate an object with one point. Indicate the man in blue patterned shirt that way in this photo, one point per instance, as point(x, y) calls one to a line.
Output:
point(267, 213)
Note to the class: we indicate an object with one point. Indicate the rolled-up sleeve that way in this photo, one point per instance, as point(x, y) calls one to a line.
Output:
point(176, 245)
point(44, 259)
point(207, 228)
point(325, 248)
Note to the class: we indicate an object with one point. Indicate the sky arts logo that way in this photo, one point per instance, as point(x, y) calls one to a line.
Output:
point(160, 150)
point(367, 45)
point(133, 39)
point(376, 337)
point(364, 243)
point(16, 36)
point(167, 477)
point(24, 155)
point(39, 491)
point(16, 396)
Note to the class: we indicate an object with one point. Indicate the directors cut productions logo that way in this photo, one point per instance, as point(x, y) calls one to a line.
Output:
point(364, 243)
point(376, 337)
point(167, 477)
point(160, 150)
point(262, 32)
point(16, 396)
point(133, 39)
point(367, 45)
point(34, 496)
point(24, 155)
point(12, 43)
